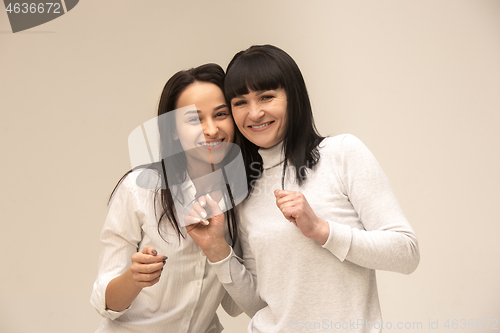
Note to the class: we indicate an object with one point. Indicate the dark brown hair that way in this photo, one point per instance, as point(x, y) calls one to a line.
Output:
point(171, 159)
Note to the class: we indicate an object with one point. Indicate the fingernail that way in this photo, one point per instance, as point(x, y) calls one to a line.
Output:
point(202, 203)
point(197, 219)
point(161, 270)
point(205, 222)
point(165, 258)
point(208, 196)
point(203, 214)
point(154, 252)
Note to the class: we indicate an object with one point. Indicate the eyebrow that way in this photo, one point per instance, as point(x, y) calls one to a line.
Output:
point(222, 106)
point(192, 111)
point(259, 92)
point(198, 111)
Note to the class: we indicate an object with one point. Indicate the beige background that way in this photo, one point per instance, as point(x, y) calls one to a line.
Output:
point(417, 81)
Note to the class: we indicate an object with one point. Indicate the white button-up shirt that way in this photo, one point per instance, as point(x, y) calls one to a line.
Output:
point(188, 294)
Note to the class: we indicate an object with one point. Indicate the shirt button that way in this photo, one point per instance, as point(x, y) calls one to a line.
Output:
point(197, 283)
point(202, 254)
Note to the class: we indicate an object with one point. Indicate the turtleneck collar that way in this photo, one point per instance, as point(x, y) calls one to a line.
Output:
point(273, 156)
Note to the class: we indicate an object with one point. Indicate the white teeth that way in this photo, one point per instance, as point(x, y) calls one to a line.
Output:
point(260, 126)
point(210, 144)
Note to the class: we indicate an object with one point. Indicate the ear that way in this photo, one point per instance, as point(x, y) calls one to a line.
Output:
point(175, 135)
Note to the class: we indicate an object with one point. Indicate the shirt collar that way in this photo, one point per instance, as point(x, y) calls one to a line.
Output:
point(273, 156)
point(188, 193)
point(183, 193)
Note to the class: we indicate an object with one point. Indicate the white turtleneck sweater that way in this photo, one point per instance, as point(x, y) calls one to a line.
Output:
point(291, 283)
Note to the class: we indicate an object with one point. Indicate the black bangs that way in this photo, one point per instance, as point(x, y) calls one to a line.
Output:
point(267, 67)
point(252, 71)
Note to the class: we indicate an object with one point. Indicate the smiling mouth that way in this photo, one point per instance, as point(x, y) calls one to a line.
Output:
point(211, 144)
point(262, 125)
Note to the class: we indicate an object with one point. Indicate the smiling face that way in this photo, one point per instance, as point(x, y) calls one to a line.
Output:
point(261, 116)
point(205, 130)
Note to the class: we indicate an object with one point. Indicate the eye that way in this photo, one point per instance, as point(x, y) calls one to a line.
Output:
point(239, 103)
point(222, 114)
point(267, 97)
point(193, 120)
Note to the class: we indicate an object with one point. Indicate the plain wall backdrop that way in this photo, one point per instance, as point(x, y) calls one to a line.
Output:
point(417, 81)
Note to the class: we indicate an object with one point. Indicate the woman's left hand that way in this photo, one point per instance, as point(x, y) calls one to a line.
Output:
point(208, 234)
point(296, 209)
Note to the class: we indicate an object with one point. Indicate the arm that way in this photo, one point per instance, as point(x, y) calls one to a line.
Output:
point(115, 287)
point(230, 306)
point(145, 271)
point(236, 275)
point(121, 291)
point(387, 241)
point(238, 278)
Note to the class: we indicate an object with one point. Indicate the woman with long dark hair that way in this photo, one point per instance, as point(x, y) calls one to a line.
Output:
point(152, 276)
point(320, 218)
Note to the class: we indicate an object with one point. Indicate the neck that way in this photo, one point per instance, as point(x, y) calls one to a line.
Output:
point(272, 156)
point(204, 176)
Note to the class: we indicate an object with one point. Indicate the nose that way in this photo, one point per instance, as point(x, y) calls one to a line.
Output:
point(255, 112)
point(210, 129)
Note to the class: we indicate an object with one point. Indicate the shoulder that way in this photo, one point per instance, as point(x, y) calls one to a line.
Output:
point(137, 184)
point(340, 145)
point(346, 153)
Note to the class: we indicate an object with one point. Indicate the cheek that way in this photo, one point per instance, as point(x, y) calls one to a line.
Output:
point(230, 132)
point(188, 134)
point(283, 117)
point(228, 127)
point(239, 120)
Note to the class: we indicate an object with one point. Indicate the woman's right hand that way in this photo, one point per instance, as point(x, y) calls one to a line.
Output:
point(208, 234)
point(146, 267)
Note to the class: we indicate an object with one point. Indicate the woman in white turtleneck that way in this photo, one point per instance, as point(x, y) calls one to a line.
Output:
point(320, 218)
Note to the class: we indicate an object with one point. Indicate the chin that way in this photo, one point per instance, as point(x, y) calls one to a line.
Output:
point(218, 156)
point(265, 144)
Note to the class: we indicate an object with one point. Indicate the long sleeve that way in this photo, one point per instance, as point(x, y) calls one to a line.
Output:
point(186, 297)
point(238, 276)
point(301, 280)
point(387, 241)
point(119, 240)
point(228, 303)
point(230, 306)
